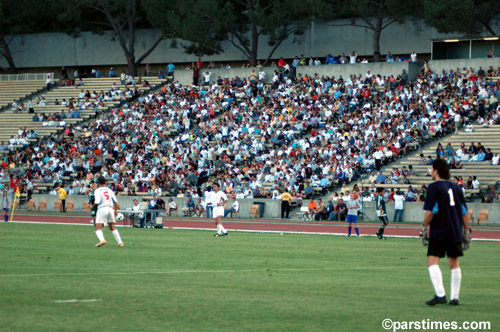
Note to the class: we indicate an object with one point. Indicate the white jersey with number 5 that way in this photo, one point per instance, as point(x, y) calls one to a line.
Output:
point(105, 199)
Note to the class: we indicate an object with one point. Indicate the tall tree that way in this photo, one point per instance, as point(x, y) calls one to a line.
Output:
point(470, 17)
point(375, 15)
point(23, 16)
point(205, 25)
point(118, 18)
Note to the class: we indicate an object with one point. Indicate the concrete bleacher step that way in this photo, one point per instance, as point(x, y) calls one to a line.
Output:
point(10, 90)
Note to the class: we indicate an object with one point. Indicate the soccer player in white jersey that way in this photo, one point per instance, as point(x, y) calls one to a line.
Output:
point(107, 208)
point(219, 200)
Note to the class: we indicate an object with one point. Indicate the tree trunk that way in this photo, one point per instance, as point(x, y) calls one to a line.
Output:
point(132, 67)
point(255, 45)
point(378, 31)
point(5, 51)
point(376, 45)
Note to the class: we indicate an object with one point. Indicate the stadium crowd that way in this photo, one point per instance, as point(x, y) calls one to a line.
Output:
point(255, 139)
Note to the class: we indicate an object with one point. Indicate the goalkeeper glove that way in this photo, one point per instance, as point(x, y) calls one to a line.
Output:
point(467, 238)
point(423, 235)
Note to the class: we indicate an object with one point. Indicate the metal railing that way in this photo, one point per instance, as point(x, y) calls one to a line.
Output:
point(26, 77)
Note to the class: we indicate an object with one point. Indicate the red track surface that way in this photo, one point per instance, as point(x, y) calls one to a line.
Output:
point(261, 225)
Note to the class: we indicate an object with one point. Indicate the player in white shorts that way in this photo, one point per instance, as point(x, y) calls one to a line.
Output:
point(219, 200)
point(107, 207)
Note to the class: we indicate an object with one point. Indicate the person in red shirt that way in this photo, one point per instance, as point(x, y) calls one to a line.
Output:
point(196, 74)
point(281, 62)
point(200, 63)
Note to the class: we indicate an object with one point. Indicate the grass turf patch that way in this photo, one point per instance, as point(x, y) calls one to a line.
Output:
point(174, 280)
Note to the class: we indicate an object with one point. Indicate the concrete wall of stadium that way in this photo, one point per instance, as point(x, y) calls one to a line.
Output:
point(346, 70)
point(412, 212)
point(57, 49)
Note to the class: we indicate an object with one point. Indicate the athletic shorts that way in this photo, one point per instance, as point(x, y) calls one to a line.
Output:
point(439, 248)
point(6, 209)
point(218, 211)
point(383, 220)
point(105, 215)
point(93, 212)
point(352, 218)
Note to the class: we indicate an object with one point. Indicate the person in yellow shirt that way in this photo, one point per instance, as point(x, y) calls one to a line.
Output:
point(285, 204)
point(62, 197)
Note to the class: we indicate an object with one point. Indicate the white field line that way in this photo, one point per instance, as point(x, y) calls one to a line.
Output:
point(259, 270)
point(77, 301)
point(254, 230)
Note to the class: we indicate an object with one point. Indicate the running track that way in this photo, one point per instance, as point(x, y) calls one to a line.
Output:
point(483, 233)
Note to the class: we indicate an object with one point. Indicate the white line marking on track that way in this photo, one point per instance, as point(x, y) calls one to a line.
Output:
point(76, 300)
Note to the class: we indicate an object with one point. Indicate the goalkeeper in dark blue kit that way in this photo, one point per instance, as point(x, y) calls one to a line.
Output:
point(446, 214)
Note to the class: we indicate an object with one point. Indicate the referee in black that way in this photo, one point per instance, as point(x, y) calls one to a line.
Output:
point(446, 213)
point(285, 204)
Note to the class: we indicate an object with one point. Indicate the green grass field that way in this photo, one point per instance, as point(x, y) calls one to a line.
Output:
point(173, 280)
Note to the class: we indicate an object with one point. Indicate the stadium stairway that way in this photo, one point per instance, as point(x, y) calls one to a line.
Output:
point(488, 175)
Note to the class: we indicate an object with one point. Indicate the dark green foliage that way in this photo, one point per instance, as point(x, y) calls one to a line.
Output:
point(470, 17)
point(375, 15)
point(207, 24)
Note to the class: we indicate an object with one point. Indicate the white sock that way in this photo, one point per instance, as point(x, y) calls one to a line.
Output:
point(456, 279)
point(222, 228)
point(219, 228)
point(100, 235)
point(437, 280)
point(117, 236)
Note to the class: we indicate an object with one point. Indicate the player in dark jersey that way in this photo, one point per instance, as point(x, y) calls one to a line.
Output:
point(381, 212)
point(446, 213)
point(93, 210)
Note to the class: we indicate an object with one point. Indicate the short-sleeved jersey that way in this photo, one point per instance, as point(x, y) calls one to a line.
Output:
point(91, 197)
point(350, 203)
point(447, 202)
point(380, 203)
point(104, 197)
point(208, 198)
point(218, 197)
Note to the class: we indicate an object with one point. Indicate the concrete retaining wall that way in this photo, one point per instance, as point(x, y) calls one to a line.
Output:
point(438, 65)
point(413, 211)
point(346, 70)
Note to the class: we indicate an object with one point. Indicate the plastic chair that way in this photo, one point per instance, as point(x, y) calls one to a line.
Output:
point(31, 205)
point(42, 205)
point(483, 217)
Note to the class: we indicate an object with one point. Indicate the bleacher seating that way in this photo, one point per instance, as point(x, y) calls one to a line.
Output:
point(10, 90)
point(488, 175)
point(11, 122)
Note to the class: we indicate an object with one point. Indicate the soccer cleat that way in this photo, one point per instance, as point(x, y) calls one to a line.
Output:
point(453, 302)
point(224, 234)
point(218, 234)
point(120, 244)
point(100, 244)
point(382, 238)
point(437, 300)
